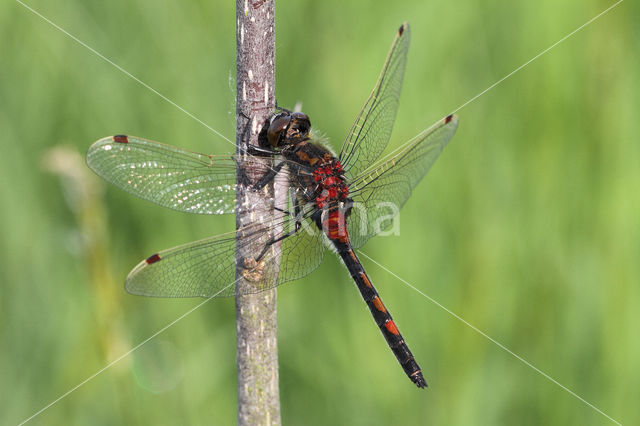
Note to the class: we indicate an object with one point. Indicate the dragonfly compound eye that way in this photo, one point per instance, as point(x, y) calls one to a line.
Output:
point(288, 128)
point(277, 128)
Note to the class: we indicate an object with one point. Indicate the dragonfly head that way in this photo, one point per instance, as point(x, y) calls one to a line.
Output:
point(288, 128)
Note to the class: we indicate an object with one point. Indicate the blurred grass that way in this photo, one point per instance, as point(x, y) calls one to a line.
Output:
point(527, 227)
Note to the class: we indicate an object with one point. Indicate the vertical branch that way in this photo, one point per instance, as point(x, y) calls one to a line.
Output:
point(257, 355)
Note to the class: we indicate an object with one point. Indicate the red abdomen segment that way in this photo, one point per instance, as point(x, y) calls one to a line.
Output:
point(334, 224)
point(380, 314)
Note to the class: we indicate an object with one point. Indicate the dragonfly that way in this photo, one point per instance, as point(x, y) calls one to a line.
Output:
point(325, 200)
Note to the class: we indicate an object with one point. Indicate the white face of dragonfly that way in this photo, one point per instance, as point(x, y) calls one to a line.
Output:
point(288, 128)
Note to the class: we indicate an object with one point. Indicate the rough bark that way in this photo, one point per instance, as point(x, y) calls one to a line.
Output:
point(257, 355)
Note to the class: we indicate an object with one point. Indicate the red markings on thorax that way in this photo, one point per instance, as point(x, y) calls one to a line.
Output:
point(152, 259)
point(331, 186)
point(330, 190)
point(121, 139)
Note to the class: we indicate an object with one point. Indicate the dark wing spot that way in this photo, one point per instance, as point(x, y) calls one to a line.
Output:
point(401, 30)
point(121, 139)
point(152, 259)
point(448, 119)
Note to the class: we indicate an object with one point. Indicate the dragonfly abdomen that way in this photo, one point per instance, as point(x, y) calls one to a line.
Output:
point(381, 315)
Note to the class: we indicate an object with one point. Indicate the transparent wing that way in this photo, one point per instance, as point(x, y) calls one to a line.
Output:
point(380, 191)
point(166, 175)
point(207, 268)
point(371, 131)
point(301, 253)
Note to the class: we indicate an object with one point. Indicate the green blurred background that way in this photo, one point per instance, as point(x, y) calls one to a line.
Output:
point(527, 227)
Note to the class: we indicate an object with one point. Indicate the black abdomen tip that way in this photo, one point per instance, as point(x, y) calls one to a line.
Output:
point(419, 380)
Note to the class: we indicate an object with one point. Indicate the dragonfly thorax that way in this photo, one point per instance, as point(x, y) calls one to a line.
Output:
point(323, 181)
point(331, 185)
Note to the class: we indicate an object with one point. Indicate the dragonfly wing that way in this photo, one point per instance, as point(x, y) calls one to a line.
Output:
point(202, 268)
point(301, 253)
point(166, 175)
point(380, 191)
point(207, 268)
point(371, 131)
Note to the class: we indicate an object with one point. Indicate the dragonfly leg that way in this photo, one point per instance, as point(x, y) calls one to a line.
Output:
point(267, 177)
point(259, 151)
point(281, 109)
point(297, 228)
point(246, 134)
point(287, 212)
point(245, 149)
point(252, 149)
point(243, 178)
point(280, 238)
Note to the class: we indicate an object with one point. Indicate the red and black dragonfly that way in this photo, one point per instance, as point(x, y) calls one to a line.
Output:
point(340, 201)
